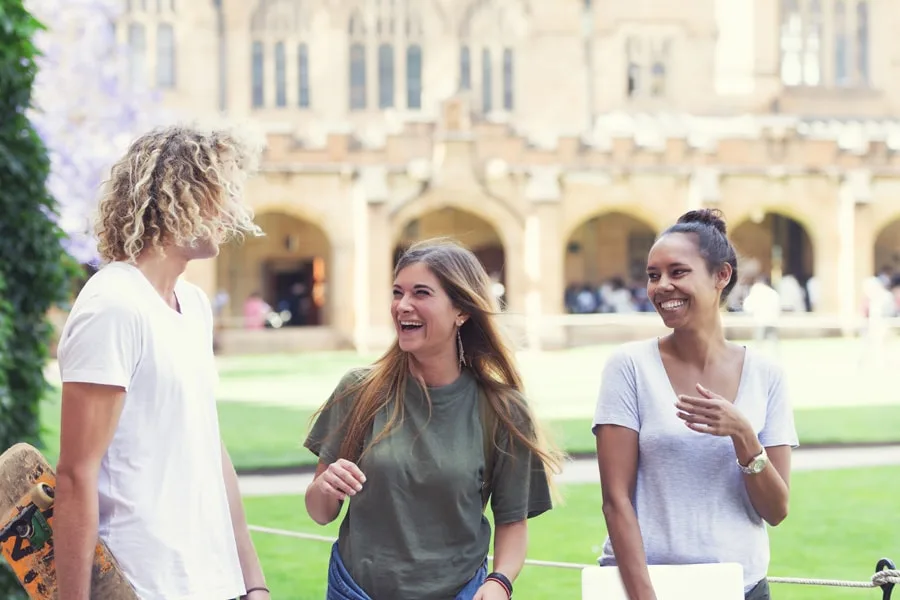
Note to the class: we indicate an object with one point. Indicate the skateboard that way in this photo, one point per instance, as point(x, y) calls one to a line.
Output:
point(27, 483)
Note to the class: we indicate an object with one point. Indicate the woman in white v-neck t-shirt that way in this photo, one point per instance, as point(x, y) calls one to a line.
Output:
point(694, 433)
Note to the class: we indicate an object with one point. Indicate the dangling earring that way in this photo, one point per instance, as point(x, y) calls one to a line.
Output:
point(462, 354)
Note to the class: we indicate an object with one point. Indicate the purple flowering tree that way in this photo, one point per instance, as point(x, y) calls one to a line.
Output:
point(87, 109)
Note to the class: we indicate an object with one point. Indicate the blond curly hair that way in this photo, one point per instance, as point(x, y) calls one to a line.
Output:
point(175, 186)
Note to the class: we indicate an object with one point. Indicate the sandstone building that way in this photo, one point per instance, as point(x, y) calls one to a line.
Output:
point(555, 137)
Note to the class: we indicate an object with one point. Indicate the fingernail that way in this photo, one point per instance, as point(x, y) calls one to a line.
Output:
point(358, 488)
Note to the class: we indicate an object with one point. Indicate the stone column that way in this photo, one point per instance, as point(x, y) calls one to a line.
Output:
point(379, 266)
point(372, 267)
point(856, 243)
point(767, 66)
point(514, 268)
point(543, 253)
point(846, 259)
point(703, 188)
point(344, 268)
point(360, 271)
point(550, 281)
point(531, 253)
point(340, 278)
point(864, 259)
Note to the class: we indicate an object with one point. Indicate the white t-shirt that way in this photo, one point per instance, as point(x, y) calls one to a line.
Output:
point(163, 506)
point(690, 498)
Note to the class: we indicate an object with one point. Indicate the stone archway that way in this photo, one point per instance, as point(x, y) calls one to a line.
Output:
point(779, 249)
point(289, 268)
point(607, 251)
point(476, 233)
point(886, 252)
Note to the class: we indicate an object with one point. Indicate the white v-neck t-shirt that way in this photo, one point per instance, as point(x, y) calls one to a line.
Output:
point(691, 502)
point(163, 506)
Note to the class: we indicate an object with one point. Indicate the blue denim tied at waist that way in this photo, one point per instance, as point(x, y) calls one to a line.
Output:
point(342, 587)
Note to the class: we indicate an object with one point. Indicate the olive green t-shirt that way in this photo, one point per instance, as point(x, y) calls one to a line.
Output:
point(416, 531)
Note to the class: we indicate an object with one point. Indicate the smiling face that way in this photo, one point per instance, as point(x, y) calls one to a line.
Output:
point(424, 317)
point(680, 284)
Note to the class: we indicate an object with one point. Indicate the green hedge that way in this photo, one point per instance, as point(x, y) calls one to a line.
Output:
point(34, 272)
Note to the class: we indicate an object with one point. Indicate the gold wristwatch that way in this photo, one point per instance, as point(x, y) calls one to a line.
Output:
point(756, 464)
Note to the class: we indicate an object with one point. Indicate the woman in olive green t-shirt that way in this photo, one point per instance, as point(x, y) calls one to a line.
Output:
point(419, 440)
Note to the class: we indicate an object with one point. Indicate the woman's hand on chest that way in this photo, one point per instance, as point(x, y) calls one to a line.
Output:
point(710, 413)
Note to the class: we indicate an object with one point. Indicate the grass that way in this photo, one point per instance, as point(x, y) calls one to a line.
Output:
point(265, 401)
point(838, 528)
point(815, 426)
point(563, 384)
point(260, 436)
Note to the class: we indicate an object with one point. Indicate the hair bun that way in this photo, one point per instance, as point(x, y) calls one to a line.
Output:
point(712, 217)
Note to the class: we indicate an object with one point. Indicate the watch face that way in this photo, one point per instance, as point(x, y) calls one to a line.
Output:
point(757, 465)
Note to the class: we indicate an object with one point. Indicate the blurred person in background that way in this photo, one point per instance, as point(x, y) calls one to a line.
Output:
point(792, 295)
point(256, 310)
point(763, 304)
point(879, 305)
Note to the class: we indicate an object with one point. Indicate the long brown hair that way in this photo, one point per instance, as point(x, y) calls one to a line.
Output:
point(486, 353)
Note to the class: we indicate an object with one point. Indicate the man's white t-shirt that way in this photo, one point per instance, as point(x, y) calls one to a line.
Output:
point(163, 506)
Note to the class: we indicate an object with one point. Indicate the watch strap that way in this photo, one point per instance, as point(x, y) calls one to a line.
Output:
point(746, 468)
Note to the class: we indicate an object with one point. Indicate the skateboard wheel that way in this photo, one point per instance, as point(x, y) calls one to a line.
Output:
point(42, 496)
point(24, 530)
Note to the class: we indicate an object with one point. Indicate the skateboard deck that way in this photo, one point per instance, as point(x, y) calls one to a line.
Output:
point(27, 483)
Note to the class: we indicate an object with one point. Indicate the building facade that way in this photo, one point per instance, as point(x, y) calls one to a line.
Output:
point(556, 138)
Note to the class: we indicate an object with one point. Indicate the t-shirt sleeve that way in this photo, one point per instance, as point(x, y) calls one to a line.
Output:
point(779, 429)
point(327, 433)
point(617, 403)
point(519, 487)
point(101, 344)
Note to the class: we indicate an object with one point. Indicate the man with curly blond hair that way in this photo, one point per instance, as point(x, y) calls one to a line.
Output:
point(141, 463)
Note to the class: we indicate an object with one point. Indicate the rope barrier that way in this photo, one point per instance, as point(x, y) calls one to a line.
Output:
point(323, 538)
point(293, 534)
point(878, 579)
point(883, 577)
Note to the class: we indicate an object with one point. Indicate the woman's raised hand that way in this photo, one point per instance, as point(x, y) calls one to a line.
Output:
point(341, 479)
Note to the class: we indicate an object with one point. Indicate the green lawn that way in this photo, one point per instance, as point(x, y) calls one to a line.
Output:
point(260, 436)
point(266, 401)
point(564, 384)
point(840, 525)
